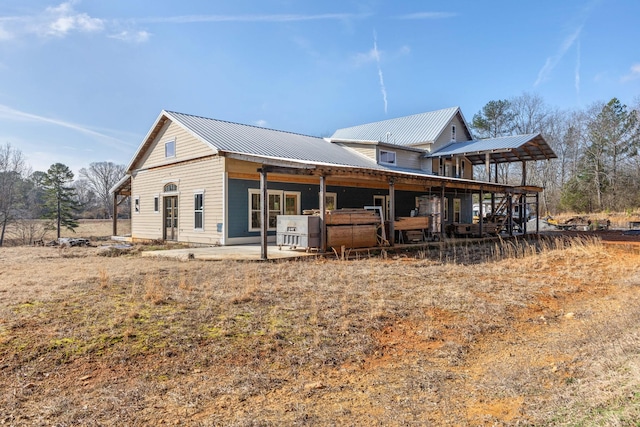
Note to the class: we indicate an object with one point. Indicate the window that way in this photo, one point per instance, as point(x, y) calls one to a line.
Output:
point(275, 209)
point(453, 133)
point(136, 205)
point(445, 201)
point(388, 157)
point(198, 211)
point(170, 188)
point(291, 203)
point(254, 210)
point(156, 204)
point(456, 210)
point(330, 201)
point(462, 173)
point(170, 149)
point(275, 206)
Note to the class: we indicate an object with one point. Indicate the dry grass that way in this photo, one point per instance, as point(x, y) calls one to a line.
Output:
point(523, 334)
point(26, 232)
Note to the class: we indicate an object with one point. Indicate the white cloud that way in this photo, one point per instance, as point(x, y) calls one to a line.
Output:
point(132, 36)
point(63, 19)
point(262, 123)
point(634, 74)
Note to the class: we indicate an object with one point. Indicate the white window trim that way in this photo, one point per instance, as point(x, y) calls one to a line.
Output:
point(195, 193)
point(395, 162)
point(291, 193)
point(136, 205)
point(166, 143)
point(253, 191)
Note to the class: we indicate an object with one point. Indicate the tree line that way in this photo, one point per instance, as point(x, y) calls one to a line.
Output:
point(54, 197)
point(598, 165)
point(597, 169)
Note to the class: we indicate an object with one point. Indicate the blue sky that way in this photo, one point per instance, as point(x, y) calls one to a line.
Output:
point(82, 81)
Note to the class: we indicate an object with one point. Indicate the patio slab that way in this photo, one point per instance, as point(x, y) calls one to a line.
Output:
point(237, 253)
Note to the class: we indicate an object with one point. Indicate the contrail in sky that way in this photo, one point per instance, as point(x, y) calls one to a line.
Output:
point(9, 113)
point(578, 71)
point(376, 54)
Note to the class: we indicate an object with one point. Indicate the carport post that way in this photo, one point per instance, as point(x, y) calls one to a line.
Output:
point(510, 213)
point(442, 209)
point(537, 213)
point(264, 213)
point(480, 211)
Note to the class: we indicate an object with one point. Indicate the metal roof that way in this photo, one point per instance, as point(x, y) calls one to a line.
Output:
point(409, 130)
point(237, 138)
point(501, 150)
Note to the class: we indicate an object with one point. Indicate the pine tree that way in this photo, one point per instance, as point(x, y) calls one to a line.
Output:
point(60, 197)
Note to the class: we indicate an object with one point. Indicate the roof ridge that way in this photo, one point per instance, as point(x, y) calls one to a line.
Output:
point(242, 124)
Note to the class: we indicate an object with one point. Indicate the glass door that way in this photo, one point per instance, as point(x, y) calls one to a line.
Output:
point(171, 218)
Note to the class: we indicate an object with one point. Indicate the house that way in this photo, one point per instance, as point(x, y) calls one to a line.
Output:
point(200, 180)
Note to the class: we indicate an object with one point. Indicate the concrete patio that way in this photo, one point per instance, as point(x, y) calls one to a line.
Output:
point(237, 253)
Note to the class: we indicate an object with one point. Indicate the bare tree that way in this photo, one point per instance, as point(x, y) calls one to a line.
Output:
point(13, 169)
point(102, 176)
point(86, 199)
point(530, 114)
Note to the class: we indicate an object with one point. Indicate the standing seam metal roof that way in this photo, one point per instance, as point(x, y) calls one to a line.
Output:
point(502, 149)
point(252, 140)
point(409, 130)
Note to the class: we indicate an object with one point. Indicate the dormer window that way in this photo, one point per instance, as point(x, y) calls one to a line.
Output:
point(387, 157)
point(453, 133)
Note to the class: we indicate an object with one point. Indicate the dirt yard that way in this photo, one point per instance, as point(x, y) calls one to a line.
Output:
point(537, 335)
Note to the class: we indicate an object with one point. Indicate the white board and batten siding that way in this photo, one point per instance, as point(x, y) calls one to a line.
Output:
point(194, 169)
point(406, 158)
point(366, 150)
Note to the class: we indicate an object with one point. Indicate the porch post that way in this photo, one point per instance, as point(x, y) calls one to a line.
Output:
point(537, 213)
point(115, 213)
point(392, 212)
point(480, 211)
point(510, 213)
point(523, 213)
point(442, 211)
point(264, 213)
point(524, 173)
point(323, 213)
point(487, 165)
